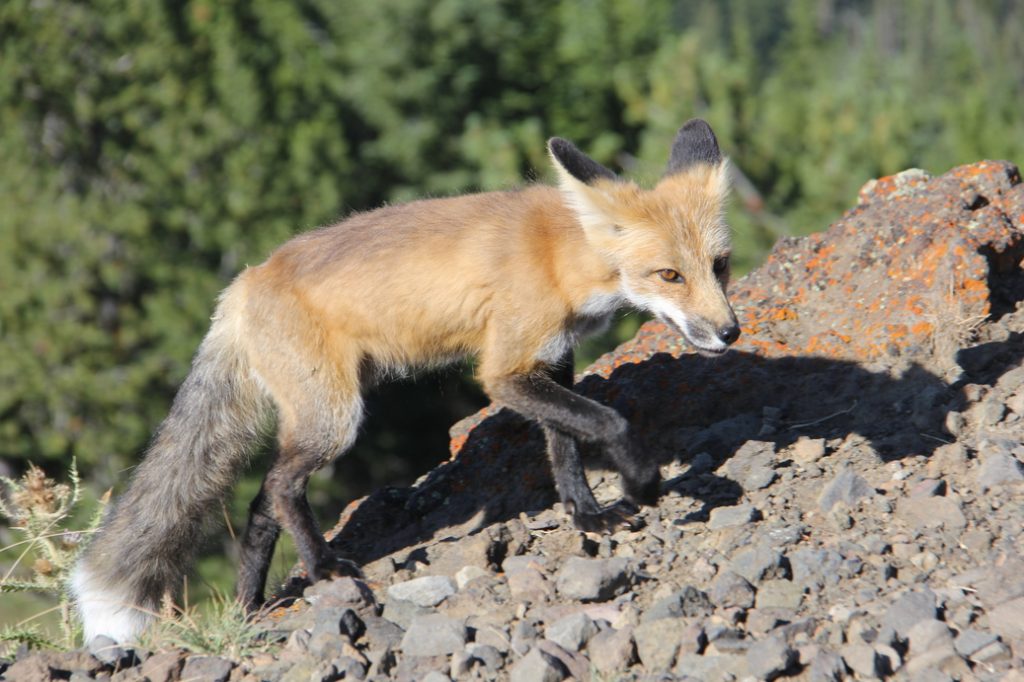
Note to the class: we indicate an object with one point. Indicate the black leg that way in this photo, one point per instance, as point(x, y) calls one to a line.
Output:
point(566, 415)
point(258, 543)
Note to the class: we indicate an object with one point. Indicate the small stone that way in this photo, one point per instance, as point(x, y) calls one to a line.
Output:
point(943, 657)
point(827, 666)
point(931, 512)
point(998, 467)
point(909, 610)
point(730, 517)
point(969, 641)
point(612, 651)
point(847, 487)
point(769, 658)
point(207, 668)
point(434, 635)
point(657, 642)
point(338, 620)
point(436, 676)
point(711, 667)
point(163, 667)
point(592, 579)
point(529, 585)
point(524, 634)
point(1007, 619)
point(991, 653)
point(779, 594)
point(807, 450)
point(488, 656)
point(109, 652)
point(467, 574)
point(538, 666)
point(345, 591)
point(760, 563)
point(732, 590)
point(686, 602)
point(571, 632)
point(815, 567)
point(890, 660)
point(862, 659)
point(424, 592)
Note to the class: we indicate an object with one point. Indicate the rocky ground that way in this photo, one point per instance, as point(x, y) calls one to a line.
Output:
point(843, 494)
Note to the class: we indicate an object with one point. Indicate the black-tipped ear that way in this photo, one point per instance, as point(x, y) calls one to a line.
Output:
point(695, 143)
point(576, 163)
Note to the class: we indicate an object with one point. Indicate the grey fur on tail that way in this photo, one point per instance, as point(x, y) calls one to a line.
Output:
point(147, 540)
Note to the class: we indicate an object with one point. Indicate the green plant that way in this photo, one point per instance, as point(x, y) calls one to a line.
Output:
point(38, 508)
point(221, 626)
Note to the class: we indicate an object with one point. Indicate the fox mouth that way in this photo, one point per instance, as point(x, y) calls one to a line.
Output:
point(701, 349)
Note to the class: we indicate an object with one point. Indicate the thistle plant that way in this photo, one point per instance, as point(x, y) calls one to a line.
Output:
point(37, 508)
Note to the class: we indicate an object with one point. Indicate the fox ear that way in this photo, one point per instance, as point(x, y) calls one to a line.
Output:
point(695, 144)
point(578, 178)
point(572, 161)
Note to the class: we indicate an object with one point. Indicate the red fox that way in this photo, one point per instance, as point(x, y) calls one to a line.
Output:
point(514, 278)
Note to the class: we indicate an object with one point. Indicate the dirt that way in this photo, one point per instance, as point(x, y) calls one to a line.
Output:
point(843, 494)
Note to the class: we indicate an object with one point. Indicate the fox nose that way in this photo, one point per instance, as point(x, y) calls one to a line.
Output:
point(729, 333)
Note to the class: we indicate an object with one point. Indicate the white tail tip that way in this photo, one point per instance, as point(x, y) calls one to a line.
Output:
point(106, 611)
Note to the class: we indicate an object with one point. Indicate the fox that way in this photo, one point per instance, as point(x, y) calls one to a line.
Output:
point(515, 278)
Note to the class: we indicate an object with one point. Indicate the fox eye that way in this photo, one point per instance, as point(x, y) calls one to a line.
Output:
point(721, 265)
point(670, 275)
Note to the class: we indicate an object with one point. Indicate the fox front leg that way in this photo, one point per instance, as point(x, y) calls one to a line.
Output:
point(566, 418)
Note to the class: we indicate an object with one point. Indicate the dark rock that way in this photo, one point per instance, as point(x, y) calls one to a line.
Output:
point(686, 602)
point(848, 486)
point(207, 668)
point(732, 590)
point(760, 563)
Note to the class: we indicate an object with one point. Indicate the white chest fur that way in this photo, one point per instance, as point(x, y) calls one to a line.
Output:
point(590, 318)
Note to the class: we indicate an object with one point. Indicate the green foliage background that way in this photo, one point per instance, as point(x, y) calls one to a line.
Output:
point(149, 151)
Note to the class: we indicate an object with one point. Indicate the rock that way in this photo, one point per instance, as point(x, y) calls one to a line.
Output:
point(760, 563)
point(730, 517)
point(436, 676)
point(769, 658)
point(815, 568)
point(466, 574)
point(524, 634)
point(991, 653)
point(998, 467)
point(612, 651)
point(827, 666)
point(848, 487)
point(931, 512)
point(863, 660)
point(928, 634)
point(382, 633)
point(686, 602)
point(752, 464)
point(538, 666)
point(530, 585)
point(942, 657)
point(571, 632)
point(807, 450)
point(490, 635)
point(338, 620)
point(732, 590)
point(486, 656)
point(657, 642)
point(592, 579)
point(779, 594)
point(207, 668)
point(163, 667)
point(350, 592)
point(434, 635)
point(712, 668)
point(109, 652)
point(424, 592)
point(1007, 619)
point(909, 610)
point(969, 641)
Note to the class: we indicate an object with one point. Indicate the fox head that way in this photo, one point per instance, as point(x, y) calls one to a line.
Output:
point(670, 244)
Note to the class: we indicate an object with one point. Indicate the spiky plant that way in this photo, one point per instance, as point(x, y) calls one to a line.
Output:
point(37, 507)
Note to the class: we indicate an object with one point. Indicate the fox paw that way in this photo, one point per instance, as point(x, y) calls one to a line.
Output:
point(644, 491)
point(622, 514)
point(335, 567)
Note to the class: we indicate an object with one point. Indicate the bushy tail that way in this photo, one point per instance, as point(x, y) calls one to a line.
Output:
point(148, 539)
